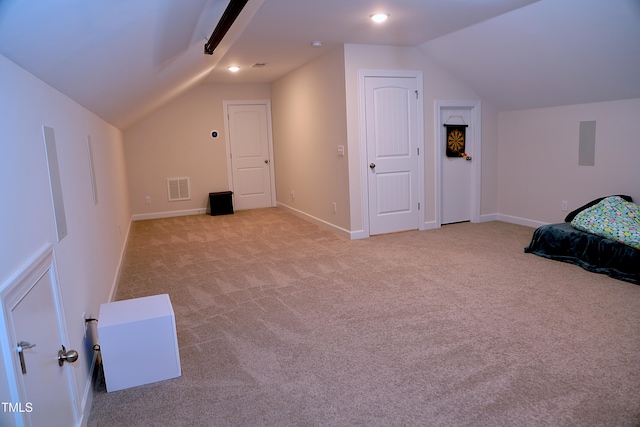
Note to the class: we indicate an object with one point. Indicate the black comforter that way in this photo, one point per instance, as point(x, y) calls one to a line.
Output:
point(562, 242)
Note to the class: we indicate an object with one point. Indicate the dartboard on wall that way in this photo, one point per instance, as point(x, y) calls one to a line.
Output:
point(455, 140)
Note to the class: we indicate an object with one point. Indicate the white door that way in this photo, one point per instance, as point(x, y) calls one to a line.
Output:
point(457, 174)
point(249, 133)
point(33, 314)
point(392, 153)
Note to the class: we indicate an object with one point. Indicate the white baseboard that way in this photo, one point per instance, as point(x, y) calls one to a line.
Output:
point(87, 398)
point(489, 217)
point(359, 234)
point(169, 214)
point(517, 220)
point(322, 223)
point(116, 279)
point(352, 235)
point(429, 225)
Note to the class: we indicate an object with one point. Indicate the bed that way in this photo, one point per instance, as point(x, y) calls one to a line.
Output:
point(599, 249)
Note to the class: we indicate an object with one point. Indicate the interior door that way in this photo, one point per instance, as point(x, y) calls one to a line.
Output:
point(457, 171)
point(392, 153)
point(36, 332)
point(251, 160)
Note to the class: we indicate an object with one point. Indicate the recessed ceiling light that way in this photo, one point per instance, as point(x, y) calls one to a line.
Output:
point(379, 17)
point(234, 69)
point(316, 43)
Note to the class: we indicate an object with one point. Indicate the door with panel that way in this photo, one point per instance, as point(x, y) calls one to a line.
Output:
point(251, 155)
point(391, 105)
point(36, 330)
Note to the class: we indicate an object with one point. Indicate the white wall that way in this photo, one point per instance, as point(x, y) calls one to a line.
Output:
point(88, 258)
point(176, 141)
point(309, 123)
point(538, 159)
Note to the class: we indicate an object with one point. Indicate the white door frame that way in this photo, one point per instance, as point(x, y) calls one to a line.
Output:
point(10, 296)
point(364, 162)
point(475, 108)
point(225, 109)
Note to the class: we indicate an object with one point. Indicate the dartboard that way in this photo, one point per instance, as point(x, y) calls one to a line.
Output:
point(455, 141)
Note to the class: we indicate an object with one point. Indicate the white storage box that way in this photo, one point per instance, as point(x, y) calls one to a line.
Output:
point(138, 342)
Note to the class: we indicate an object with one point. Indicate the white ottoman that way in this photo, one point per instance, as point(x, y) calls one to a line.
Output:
point(138, 342)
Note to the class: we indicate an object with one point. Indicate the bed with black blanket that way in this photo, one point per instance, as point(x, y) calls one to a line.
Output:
point(600, 253)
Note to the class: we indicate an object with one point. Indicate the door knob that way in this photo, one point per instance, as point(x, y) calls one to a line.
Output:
point(67, 356)
point(468, 158)
point(372, 165)
point(266, 162)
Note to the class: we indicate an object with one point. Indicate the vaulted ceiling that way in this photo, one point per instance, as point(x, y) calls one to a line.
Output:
point(123, 59)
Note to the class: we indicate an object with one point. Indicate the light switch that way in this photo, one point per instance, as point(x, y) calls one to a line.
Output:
point(340, 150)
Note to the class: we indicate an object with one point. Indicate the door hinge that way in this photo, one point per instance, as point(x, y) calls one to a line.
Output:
point(416, 94)
point(418, 205)
point(418, 149)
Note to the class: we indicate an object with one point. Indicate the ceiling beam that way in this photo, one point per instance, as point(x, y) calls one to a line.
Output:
point(226, 21)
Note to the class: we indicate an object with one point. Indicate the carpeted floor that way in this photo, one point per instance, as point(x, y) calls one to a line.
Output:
point(281, 323)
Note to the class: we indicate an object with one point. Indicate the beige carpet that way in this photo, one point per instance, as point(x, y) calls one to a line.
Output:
point(281, 323)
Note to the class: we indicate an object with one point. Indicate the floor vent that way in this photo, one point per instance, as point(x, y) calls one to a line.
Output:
point(178, 189)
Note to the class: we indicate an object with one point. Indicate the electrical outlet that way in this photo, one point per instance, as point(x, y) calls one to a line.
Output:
point(565, 206)
point(293, 195)
point(335, 207)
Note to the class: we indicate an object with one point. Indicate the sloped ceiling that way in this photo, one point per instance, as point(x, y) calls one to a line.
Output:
point(551, 53)
point(123, 59)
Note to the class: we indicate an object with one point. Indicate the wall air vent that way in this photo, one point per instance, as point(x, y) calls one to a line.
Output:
point(178, 189)
point(259, 65)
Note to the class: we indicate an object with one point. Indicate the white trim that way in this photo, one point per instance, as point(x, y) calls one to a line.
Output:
point(520, 221)
point(512, 220)
point(319, 222)
point(362, 75)
point(116, 279)
point(272, 168)
point(489, 217)
point(364, 174)
point(429, 225)
point(169, 214)
point(475, 108)
point(87, 398)
point(359, 234)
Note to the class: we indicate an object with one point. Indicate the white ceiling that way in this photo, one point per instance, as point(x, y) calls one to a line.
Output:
point(122, 59)
point(551, 53)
